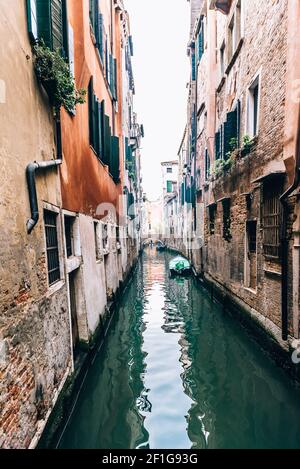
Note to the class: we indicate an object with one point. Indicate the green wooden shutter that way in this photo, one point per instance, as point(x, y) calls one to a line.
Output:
point(193, 66)
point(68, 35)
point(107, 141)
point(115, 163)
point(32, 19)
point(94, 16)
point(115, 91)
point(230, 132)
point(111, 73)
point(100, 133)
point(169, 186)
point(217, 145)
point(130, 41)
point(44, 21)
point(106, 59)
point(101, 36)
point(96, 125)
point(102, 124)
point(57, 25)
point(182, 193)
point(91, 111)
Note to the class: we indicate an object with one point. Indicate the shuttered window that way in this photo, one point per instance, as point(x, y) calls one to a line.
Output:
point(230, 137)
point(52, 24)
point(107, 141)
point(95, 121)
point(92, 123)
point(115, 159)
point(169, 186)
point(194, 67)
point(101, 39)
point(218, 145)
point(53, 267)
point(200, 42)
point(94, 17)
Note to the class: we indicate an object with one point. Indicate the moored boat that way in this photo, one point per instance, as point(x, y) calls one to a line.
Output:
point(180, 266)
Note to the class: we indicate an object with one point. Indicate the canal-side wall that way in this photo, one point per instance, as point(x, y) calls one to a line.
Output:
point(53, 426)
point(267, 334)
point(35, 353)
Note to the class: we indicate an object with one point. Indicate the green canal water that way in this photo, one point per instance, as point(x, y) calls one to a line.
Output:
point(177, 371)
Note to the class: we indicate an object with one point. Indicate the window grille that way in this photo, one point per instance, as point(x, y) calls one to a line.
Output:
point(50, 220)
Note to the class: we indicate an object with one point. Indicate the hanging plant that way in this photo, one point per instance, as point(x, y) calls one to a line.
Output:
point(54, 74)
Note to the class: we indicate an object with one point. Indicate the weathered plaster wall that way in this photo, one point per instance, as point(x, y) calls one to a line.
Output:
point(34, 328)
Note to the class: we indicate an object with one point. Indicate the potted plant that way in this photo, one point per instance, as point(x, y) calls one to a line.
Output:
point(55, 76)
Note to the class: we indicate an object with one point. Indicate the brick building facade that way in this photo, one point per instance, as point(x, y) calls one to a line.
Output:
point(242, 158)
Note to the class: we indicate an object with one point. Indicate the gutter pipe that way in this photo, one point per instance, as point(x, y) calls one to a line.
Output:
point(31, 170)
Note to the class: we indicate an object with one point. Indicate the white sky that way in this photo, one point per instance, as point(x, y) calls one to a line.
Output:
point(160, 30)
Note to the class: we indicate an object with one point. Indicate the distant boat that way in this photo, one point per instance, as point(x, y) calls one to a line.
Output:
point(180, 266)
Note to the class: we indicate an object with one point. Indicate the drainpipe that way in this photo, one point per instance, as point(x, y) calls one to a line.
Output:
point(285, 242)
point(31, 170)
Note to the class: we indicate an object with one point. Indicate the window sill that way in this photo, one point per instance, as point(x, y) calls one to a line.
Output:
point(73, 263)
point(251, 290)
point(234, 57)
point(272, 273)
point(55, 287)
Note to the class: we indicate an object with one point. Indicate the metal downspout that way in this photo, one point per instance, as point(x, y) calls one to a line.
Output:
point(31, 170)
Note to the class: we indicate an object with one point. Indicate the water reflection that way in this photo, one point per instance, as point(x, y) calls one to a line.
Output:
point(178, 372)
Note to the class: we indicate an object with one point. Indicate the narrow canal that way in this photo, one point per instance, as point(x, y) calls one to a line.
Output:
point(177, 371)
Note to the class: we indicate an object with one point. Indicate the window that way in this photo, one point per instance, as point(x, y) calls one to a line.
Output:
point(272, 218)
point(95, 119)
point(226, 220)
point(222, 60)
point(169, 186)
point(96, 234)
point(201, 119)
point(207, 165)
point(194, 66)
point(47, 20)
point(104, 236)
point(252, 236)
point(234, 32)
point(200, 42)
point(250, 272)
point(69, 224)
point(253, 108)
point(230, 39)
point(231, 132)
point(212, 218)
point(50, 221)
point(32, 19)
point(169, 170)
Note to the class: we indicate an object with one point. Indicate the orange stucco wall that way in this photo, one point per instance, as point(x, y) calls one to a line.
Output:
point(85, 180)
